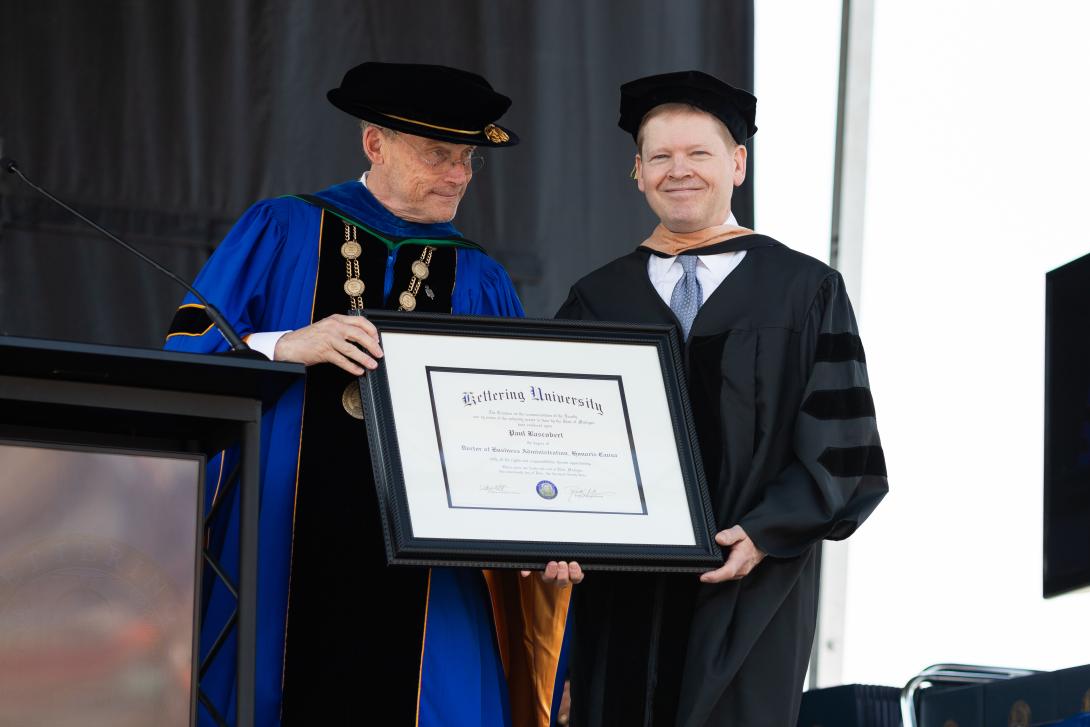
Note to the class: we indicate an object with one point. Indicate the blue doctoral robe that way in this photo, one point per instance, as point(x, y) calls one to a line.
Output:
point(262, 277)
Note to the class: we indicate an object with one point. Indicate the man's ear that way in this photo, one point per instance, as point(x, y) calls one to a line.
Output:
point(739, 156)
point(637, 172)
point(373, 143)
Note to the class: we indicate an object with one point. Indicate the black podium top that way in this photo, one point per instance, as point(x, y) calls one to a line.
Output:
point(216, 374)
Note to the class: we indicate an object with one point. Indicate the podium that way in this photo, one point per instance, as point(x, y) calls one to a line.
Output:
point(102, 522)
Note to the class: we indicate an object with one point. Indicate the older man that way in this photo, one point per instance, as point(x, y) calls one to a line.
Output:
point(780, 397)
point(338, 631)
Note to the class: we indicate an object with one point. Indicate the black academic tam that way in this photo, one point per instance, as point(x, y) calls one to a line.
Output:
point(435, 102)
point(785, 420)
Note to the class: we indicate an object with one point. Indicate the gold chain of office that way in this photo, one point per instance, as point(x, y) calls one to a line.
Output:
point(407, 300)
point(351, 250)
point(354, 287)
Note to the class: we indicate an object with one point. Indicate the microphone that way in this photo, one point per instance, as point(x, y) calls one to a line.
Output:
point(238, 346)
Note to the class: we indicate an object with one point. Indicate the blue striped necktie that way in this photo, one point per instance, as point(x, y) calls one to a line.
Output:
point(687, 296)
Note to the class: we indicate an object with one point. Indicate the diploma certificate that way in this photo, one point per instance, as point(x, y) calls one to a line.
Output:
point(509, 442)
point(523, 440)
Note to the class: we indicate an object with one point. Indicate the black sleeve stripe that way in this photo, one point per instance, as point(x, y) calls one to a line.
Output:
point(190, 320)
point(838, 347)
point(852, 403)
point(854, 461)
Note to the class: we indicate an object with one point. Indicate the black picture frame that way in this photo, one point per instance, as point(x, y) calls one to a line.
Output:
point(406, 547)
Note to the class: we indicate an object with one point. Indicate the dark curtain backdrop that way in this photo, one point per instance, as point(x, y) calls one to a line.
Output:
point(165, 120)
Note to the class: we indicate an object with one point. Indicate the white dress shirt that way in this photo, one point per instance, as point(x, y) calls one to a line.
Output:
point(711, 270)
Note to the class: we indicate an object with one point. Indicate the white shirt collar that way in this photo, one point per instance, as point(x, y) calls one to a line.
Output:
point(721, 262)
point(718, 263)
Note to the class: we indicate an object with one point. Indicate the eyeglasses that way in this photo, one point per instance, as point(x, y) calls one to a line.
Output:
point(438, 158)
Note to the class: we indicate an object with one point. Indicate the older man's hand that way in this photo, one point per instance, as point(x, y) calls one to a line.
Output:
point(332, 340)
point(743, 558)
point(560, 573)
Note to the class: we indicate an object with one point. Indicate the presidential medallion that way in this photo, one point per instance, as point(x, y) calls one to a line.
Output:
point(350, 400)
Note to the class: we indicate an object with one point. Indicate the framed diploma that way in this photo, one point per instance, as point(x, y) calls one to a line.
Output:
point(501, 442)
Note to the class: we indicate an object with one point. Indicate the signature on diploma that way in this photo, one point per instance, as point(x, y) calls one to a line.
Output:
point(498, 490)
point(587, 493)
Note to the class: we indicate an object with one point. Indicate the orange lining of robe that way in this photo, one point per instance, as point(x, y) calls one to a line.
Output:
point(423, 641)
point(530, 617)
point(674, 243)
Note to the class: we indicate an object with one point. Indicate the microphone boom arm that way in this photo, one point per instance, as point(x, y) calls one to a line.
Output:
point(226, 330)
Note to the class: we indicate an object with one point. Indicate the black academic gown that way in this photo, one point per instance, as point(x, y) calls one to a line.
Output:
point(779, 391)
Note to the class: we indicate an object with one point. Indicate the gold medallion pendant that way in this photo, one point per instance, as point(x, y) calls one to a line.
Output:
point(351, 250)
point(353, 287)
point(351, 401)
point(420, 269)
point(407, 300)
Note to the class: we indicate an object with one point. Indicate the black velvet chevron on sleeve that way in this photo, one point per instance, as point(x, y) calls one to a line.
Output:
point(849, 403)
point(867, 461)
point(190, 320)
point(837, 347)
